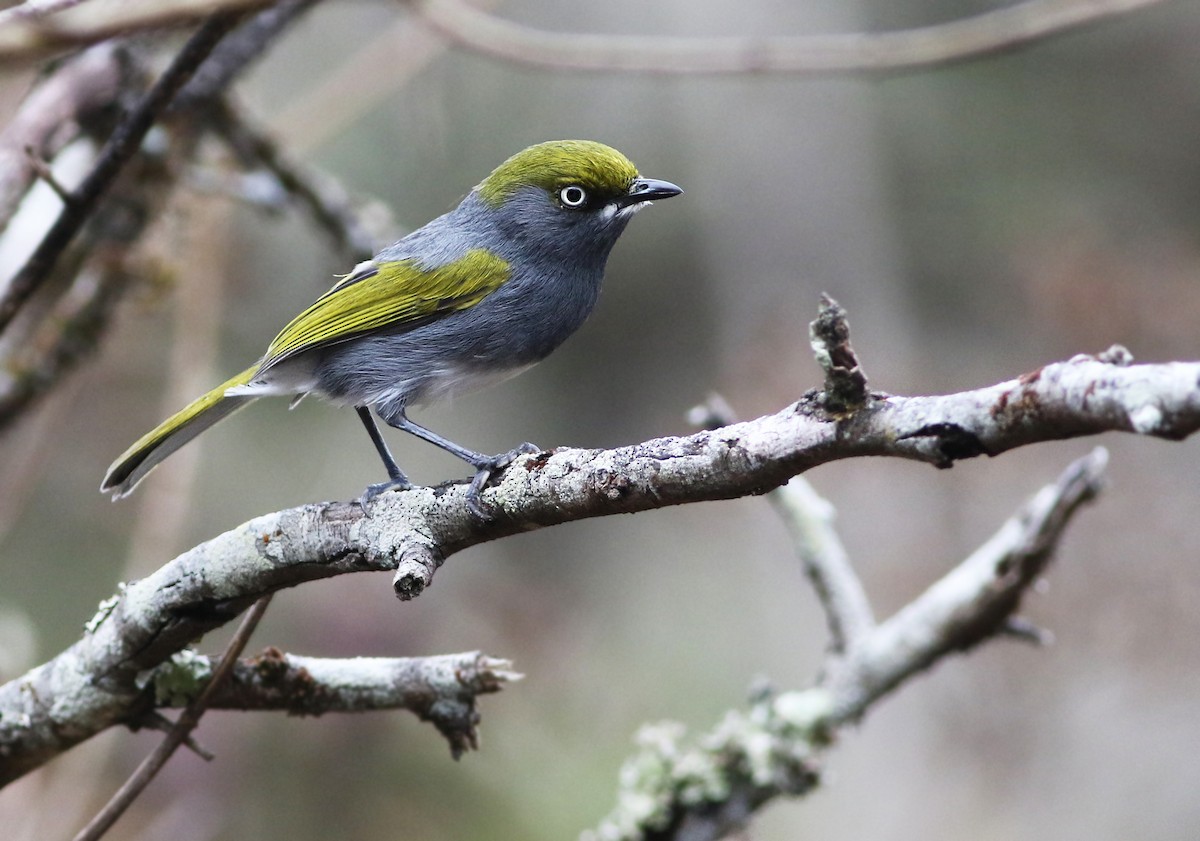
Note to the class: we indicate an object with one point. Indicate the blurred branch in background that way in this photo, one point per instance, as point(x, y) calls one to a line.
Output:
point(927, 46)
point(122, 145)
point(36, 30)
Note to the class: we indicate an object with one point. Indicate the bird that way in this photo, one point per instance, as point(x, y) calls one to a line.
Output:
point(472, 298)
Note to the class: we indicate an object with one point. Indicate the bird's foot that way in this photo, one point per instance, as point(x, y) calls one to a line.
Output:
point(484, 470)
point(368, 497)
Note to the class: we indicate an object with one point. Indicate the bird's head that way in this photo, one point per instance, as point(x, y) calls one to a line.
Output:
point(569, 194)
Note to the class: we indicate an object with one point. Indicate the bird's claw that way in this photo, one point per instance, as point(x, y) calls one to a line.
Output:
point(484, 472)
point(368, 497)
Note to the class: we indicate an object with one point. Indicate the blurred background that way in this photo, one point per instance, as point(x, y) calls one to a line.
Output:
point(977, 221)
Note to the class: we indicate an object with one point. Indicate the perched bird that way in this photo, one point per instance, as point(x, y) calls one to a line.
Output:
point(474, 297)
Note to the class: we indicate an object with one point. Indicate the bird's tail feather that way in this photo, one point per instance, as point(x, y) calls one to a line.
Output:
point(145, 453)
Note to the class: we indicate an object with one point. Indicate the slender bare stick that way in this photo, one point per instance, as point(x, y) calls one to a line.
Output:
point(809, 520)
point(187, 721)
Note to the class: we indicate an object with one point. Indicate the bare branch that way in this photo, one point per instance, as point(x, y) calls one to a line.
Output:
point(414, 531)
point(809, 519)
point(1003, 29)
point(34, 9)
point(80, 88)
point(970, 604)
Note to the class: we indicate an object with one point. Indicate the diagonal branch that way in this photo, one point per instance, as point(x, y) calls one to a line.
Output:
point(968, 605)
point(178, 733)
point(706, 787)
point(809, 519)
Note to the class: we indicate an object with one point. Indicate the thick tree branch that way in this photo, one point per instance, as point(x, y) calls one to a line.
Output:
point(1002, 29)
point(92, 685)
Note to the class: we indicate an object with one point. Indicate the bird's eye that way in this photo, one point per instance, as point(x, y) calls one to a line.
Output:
point(573, 196)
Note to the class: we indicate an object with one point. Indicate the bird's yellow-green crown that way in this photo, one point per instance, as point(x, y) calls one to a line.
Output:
point(557, 163)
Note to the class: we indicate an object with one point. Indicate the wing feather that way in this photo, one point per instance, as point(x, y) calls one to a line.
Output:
point(388, 294)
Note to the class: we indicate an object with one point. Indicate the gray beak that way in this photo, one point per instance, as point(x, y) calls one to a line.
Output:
point(648, 189)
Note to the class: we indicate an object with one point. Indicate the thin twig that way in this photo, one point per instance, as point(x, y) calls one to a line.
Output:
point(238, 51)
point(187, 721)
point(1002, 29)
point(47, 175)
point(121, 147)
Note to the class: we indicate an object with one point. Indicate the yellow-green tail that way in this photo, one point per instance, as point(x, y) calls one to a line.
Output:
point(145, 454)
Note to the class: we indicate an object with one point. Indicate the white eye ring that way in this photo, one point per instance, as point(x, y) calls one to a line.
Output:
point(573, 196)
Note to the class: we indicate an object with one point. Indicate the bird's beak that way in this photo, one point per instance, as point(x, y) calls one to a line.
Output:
point(648, 189)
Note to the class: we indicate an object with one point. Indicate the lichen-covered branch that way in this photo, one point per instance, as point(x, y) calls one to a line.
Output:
point(442, 689)
point(703, 788)
point(90, 686)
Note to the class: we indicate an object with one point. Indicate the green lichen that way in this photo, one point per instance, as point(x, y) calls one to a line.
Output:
point(181, 679)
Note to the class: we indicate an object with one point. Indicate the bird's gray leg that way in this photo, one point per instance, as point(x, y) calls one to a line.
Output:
point(396, 478)
point(485, 466)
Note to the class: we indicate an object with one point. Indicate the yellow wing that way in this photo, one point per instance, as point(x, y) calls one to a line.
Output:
point(390, 294)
